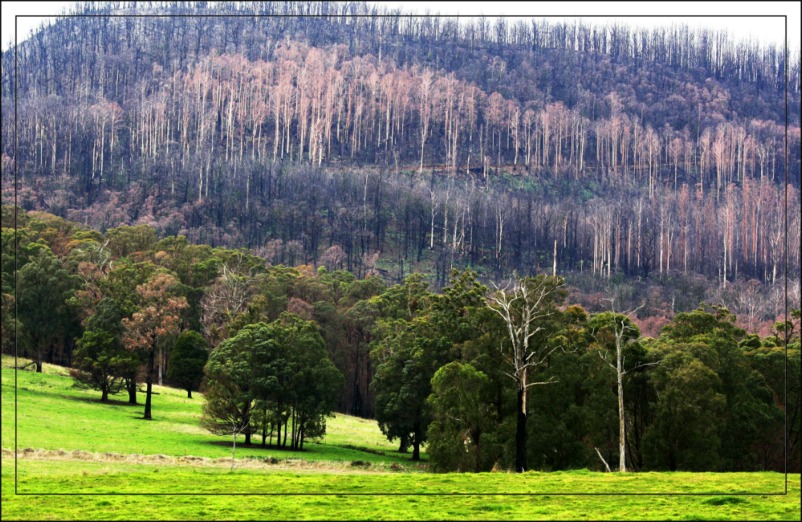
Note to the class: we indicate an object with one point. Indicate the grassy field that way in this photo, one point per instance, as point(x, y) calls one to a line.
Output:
point(113, 465)
point(53, 414)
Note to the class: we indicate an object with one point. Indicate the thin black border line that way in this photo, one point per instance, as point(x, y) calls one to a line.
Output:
point(16, 249)
point(335, 15)
point(425, 494)
point(377, 15)
point(785, 372)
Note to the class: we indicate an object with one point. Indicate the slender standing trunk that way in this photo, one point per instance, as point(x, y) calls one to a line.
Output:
point(233, 446)
point(264, 425)
point(520, 431)
point(189, 393)
point(622, 441)
point(105, 395)
point(416, 441)
point(476, 434)
point(149, 381)
point(247, 429)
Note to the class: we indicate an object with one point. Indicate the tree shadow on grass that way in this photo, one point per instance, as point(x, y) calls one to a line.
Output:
point(96, 400)
point(257, 446)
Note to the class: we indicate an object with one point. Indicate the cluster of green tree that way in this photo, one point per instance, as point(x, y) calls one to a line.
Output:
point(514, 379)
point(511, 377)
point(268, 376)
point(124, 307)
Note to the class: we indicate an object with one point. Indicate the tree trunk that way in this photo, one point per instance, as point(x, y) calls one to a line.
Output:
point(38, 361)
point(416, 441)
point(189, 393)
point(233, 447)
point(247, 429)
point(476, 435)
point(105, 395)
point(622, 441)
point(149, 381)
point(520, 433)
point(131, 386)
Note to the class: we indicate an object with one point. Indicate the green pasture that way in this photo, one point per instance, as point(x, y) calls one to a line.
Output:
point(381, 495)
point(81, 459)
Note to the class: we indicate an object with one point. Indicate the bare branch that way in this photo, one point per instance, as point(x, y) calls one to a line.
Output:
point(607, 466)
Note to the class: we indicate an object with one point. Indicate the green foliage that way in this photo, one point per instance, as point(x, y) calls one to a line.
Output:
point(460, 416)
point(229, 380)
point(43, 291)
point(688, 413)
point(100, 362)
point(187, 359)
point(711, 405)
point(282, 364)
point(126, 240)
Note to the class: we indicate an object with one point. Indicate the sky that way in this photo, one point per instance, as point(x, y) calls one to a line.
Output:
point(746, 26)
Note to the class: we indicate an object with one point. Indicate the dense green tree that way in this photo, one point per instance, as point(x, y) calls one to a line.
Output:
point(780, 367)
point(126, 240)
point(100, 362)
point(460, 416)
point(281, 368)
point(43, 291)
point(228, 385)
point(722, 423)
point(403, 367)
point(688, 411)
point(315, 380)
point(187, 359)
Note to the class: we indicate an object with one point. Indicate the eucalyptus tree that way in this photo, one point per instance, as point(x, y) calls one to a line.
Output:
point(528, 307)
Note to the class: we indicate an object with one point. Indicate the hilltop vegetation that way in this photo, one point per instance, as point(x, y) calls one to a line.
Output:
point(390, 145)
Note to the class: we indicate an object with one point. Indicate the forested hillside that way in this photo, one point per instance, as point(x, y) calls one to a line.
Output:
point(336, 134)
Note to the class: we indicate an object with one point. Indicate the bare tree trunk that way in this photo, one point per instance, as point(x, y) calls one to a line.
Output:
point(417, 441)
point(149, 381)
point(233, 446)
point(520, 430)
point(622, 432)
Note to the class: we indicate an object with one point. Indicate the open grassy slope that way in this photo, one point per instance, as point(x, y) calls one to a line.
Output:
point(113, 465)
point(53, 414)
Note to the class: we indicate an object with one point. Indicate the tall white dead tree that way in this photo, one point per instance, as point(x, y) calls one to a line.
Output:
point(526, 306)
point(612, 333)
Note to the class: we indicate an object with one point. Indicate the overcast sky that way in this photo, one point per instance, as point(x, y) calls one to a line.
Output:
point(747, 26)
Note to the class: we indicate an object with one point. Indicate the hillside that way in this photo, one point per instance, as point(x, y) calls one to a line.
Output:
point(54, 415)
point(388, 145)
